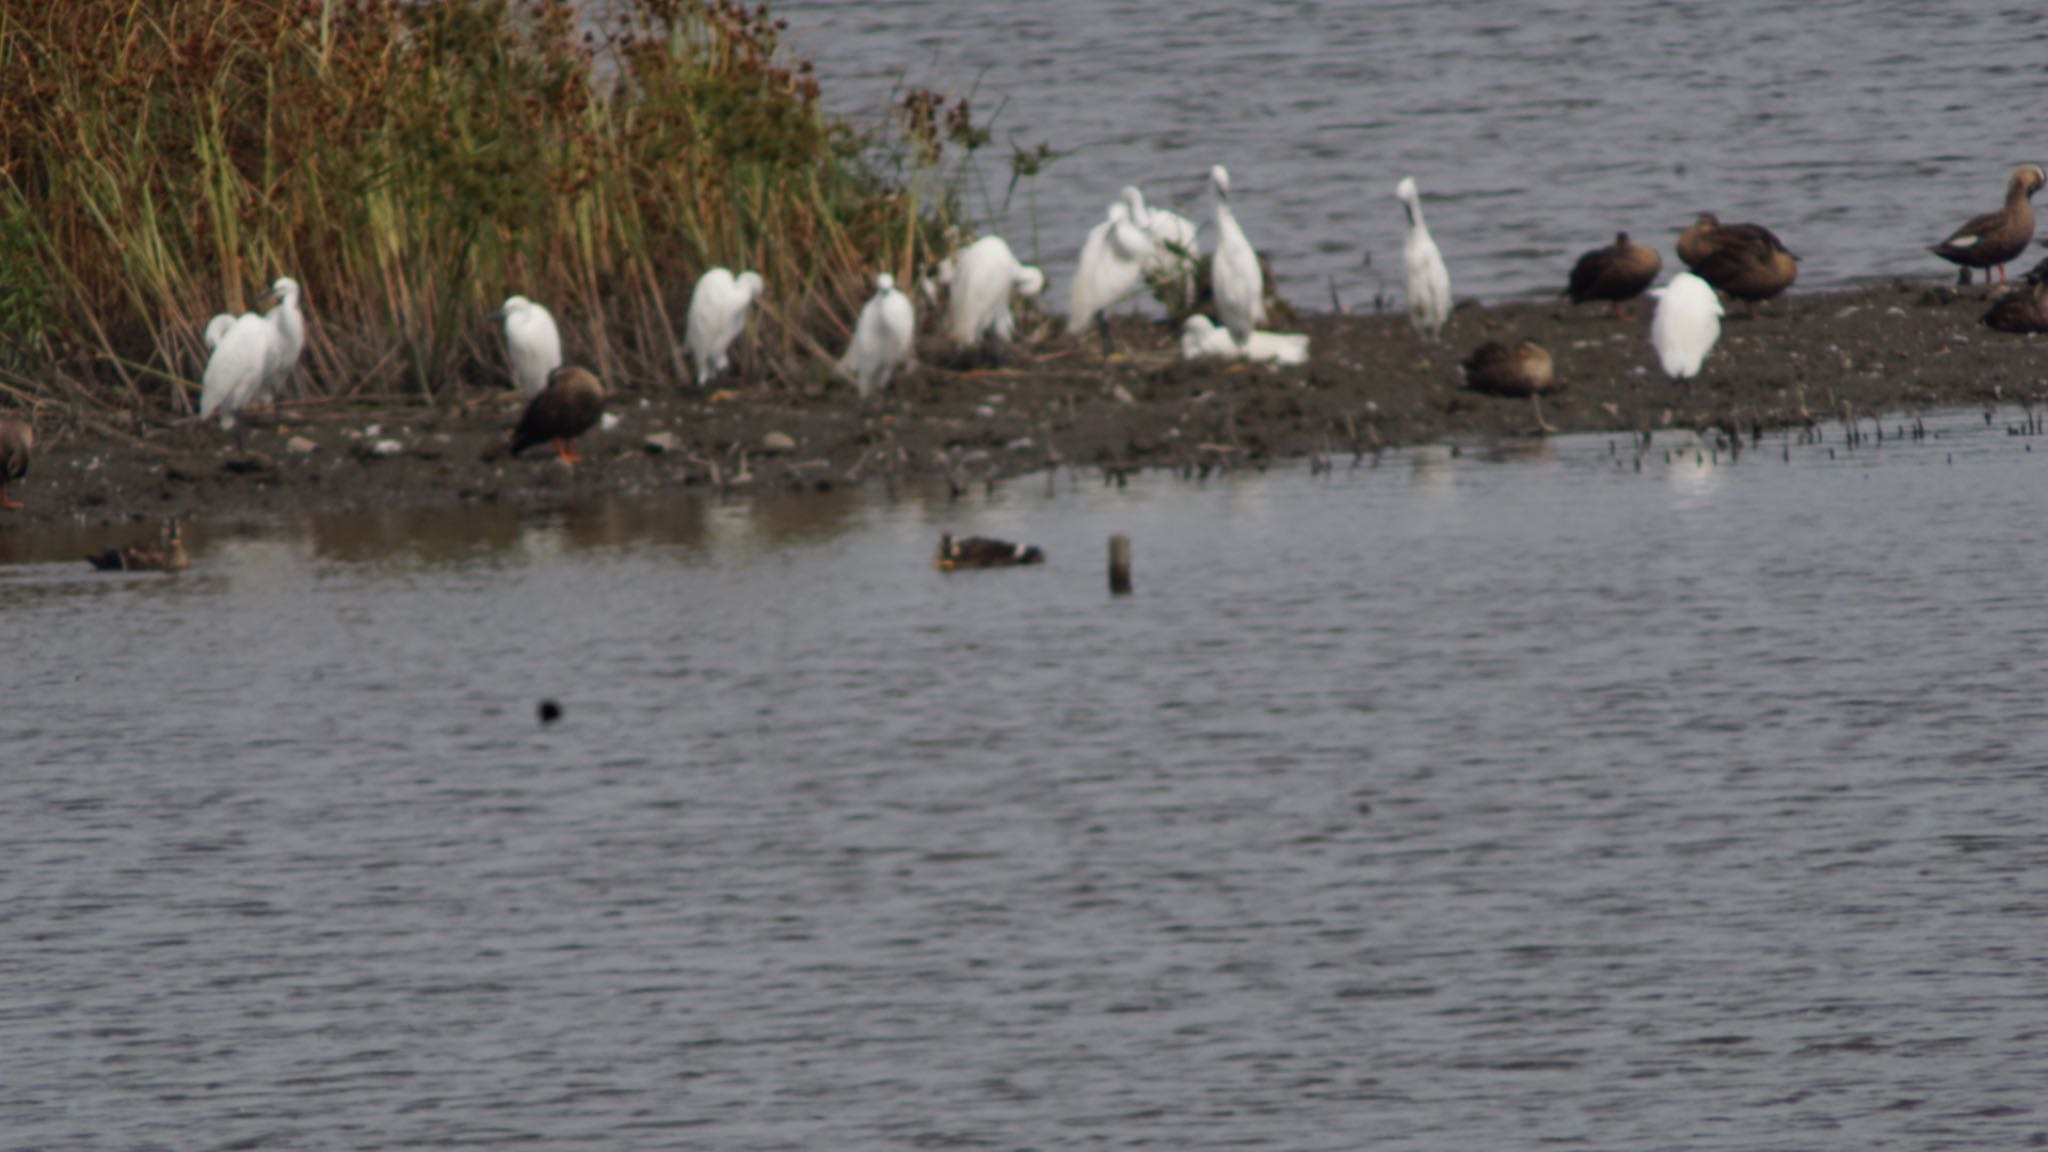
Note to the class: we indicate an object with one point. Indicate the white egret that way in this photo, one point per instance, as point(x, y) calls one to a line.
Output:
point(1687, 323)
point(217, 328)
point(290, 326)
point(1111, 269)
point(1234, 275)
point(244, 359)
point(985, 275)
point(718, 315)
point(532, 342)
point(1429, 282)
point(882, 338)
point(1200, 337)
point(1175, 251)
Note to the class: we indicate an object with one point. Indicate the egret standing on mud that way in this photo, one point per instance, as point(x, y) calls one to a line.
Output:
point(1175, 250)
point(1234, 271)
point(985, 276)
point(290, 325)
point(1687, 323)
point(882, 338)
point(1429, 282)
point(1111, 269)
point(718, 316)
point(532, 342)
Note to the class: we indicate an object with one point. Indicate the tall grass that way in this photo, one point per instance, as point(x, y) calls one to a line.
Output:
point(412, 163)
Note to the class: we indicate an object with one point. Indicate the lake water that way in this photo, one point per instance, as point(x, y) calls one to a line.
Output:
point(1861, 132)
point(1496, 800)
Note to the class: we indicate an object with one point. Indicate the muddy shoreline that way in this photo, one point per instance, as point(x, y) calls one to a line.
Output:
point(1887, 352)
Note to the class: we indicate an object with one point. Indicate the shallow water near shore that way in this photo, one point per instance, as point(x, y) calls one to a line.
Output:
point(1859, 132)
point(1490, 799)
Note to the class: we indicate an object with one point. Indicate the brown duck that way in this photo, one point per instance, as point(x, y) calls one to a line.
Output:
point(1988, 241)
point(1621, 271)
point(17, 444)
point(168, 557)
point(983, 552)
point(2025, 309)
point(1747, 261)
point(1494, 369)
point(571, 404)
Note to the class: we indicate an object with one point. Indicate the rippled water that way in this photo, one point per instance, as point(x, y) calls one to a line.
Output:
point(1448, 803)
point(1860, 131)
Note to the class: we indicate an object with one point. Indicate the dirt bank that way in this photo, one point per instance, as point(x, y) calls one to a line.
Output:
point(1892, 351)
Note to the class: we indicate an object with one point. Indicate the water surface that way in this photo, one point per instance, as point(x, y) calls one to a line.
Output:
point(1861, 131)
point(1495, 800)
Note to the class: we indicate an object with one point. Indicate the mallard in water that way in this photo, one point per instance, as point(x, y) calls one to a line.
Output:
point(1621, 271)
point(1494, 369)
point(1747, 261)
point(1988, 241)
point(17, 444)
point(983, 552)
point(2024, 309)
point(167, 557)
point(570, 405)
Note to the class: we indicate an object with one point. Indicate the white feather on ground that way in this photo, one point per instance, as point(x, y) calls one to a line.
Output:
point(985, 276)
point(1687, 323)
point(532, 342)
point(718, 316)
point(1200, 338)
point(882, 338)
point(1234, 274)
point(1429, 282)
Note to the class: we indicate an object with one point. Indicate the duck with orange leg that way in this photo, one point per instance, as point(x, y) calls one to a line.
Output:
point(1990, 240)
point(17, 445)
point(571, 404)
point(983, 552)
point(168, 556)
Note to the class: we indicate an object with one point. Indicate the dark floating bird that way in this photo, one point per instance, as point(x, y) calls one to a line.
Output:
point(1988, 241)
point(1619, 272)
point(983, 552)
point(1494, 369)
point(571, 404)
point(1747, 261)
point(168, 557)
point(17, 445)
point(549, 711)
point(2025, 309)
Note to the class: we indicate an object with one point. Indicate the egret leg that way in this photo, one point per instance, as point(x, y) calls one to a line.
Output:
point(1102, 326)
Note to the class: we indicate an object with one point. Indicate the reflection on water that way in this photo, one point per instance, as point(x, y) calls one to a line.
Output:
point(1480, 800)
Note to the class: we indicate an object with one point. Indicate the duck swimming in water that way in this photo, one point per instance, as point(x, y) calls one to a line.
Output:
point(1988, 241)
point(983, 552)
point(169, 556)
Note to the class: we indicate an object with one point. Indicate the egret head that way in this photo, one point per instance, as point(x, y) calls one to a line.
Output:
point(512, 306)
point(750, 285)
point(884, 284)
point(1030, 281)
point(285, 290)
point(1219, 182)
point(1405, 191)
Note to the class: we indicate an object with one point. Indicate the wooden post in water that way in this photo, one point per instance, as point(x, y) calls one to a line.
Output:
point(1119, 565)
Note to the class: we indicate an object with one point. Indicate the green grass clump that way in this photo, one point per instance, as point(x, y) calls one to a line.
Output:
point(412, 163)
